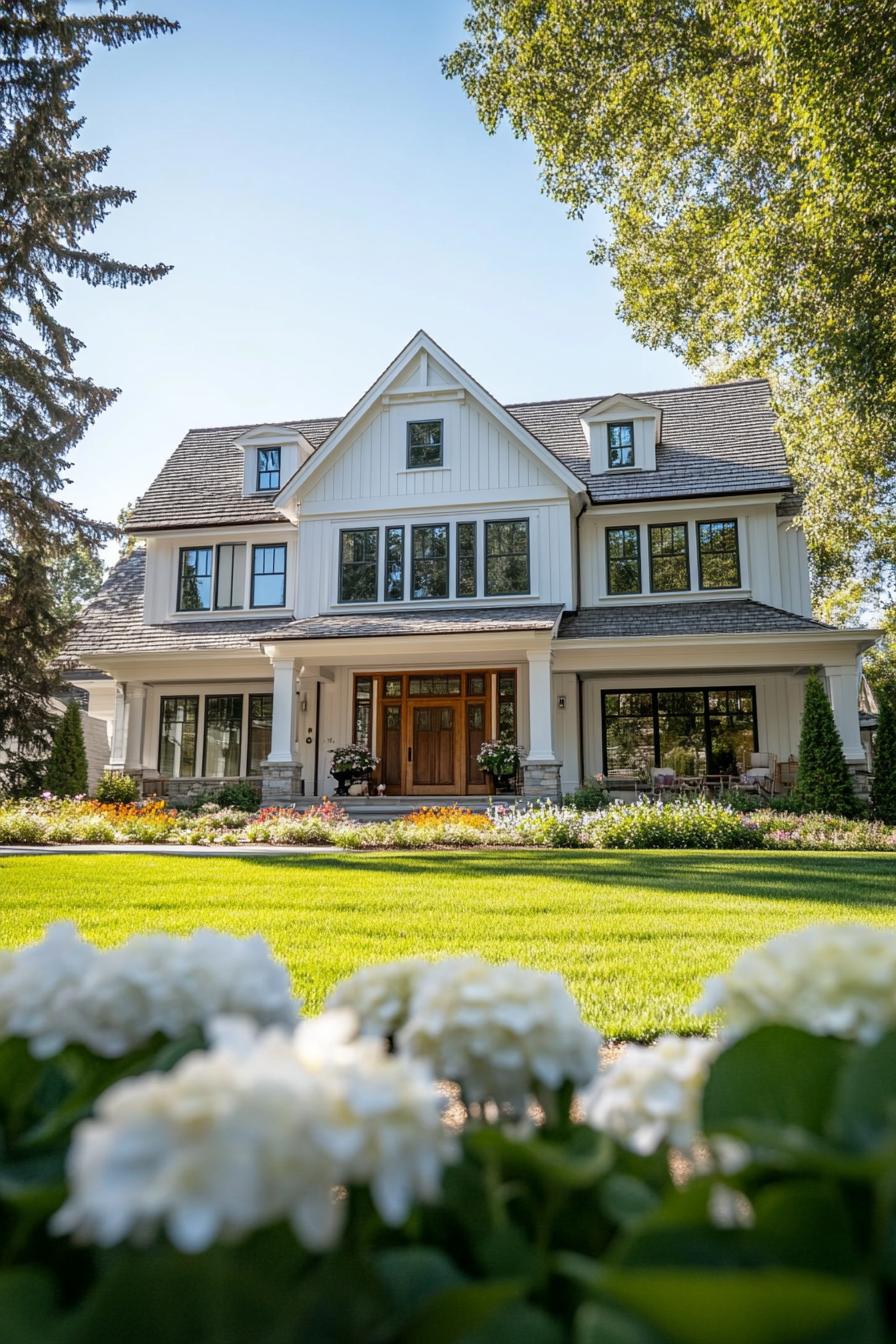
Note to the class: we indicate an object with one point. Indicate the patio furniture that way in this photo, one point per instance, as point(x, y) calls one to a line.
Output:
point(758, 775)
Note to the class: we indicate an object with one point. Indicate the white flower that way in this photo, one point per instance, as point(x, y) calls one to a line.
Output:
point(255, 1131)
point(652, 1094)
point(380, 995)
point(498, 1031)
point(64, 990)
point(830, 979)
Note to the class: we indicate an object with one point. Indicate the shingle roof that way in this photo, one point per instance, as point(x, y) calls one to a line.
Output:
point(718, 439)
point(114, 622)
point(738, 616)
point(449, 621)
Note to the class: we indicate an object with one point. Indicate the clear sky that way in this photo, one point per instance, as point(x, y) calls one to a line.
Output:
point(322, 192)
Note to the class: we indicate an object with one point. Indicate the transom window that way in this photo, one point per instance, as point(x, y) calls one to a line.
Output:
point(433, 686)
point(623, 560)
point(621, 443)
point(358, 557)
point(268, 576)
point(670, 570)
point(507, 558)
point(268, 469)
point(429, 561)
point(691, 731)
point(718, 556)
point(194, 588)
point(425, 443)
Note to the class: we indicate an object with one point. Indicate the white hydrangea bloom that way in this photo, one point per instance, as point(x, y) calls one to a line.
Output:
point(380, 995)
point(64, 990)
point(498, 1031)
point(652, 1093)
point(253, 1131)
point(830, 979)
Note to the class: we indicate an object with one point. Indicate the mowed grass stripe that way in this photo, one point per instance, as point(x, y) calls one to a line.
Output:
point(634, 934)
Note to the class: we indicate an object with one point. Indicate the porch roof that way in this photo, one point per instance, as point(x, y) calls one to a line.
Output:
point(444, 621)
point(737, 616)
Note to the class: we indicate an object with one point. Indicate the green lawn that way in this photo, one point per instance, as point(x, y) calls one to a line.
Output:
point(633, 934)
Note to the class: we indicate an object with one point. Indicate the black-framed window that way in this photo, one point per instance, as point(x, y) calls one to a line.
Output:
point(507, 558)
point(194, 585)
point(268, 469)
point(222, 746)
point(429, 561)
point(718, 554)
point(178, 719)
point(694, 731)
point(670, 568)
point(507, 706)
point(425, 443)
point(621, 443)
point(261, 722)
point(466, 560)
point(358, 559)
point(363, 719)
point(394, 580)
point(230, 576)
point(269, 576)
point(623, 560)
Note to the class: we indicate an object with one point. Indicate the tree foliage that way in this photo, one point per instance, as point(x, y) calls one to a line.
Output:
point(823, 782)
point(744, 154)
point(77, 575)
point(67, 766)
point(50, 202)
point(883, 785)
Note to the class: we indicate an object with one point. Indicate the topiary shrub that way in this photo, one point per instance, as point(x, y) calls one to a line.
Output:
point(117, 789)
point(883, 785)
point(823, 782)
point(67, 767)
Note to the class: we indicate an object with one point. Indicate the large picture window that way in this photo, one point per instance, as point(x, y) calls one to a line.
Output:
point(429, 561)
point(178, 717)
point(223, 736)
point(261, 719)
point(507, 558)
point(194, 587)
point(425, 443)
point(670, 570)
point(718, 556)
point(268, 469)
point(268, 576)
point(230, 577)
point(692, 731)
point(358, 564)
point(623, 560)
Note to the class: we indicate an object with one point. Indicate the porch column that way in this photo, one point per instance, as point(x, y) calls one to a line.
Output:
point(126, 757)
point(281, 772)
point(541, 772)
point(843, 690)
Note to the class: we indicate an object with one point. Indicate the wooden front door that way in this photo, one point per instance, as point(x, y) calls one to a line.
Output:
point(434, 756)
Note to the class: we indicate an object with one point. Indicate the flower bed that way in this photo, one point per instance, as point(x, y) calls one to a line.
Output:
point(185, 1160)
point(679, 824)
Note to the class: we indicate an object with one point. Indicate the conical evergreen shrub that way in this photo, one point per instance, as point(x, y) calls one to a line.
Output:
point(67, 767)
point(823, 782)
point(883, 785)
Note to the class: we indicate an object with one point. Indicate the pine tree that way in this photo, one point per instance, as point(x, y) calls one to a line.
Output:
point(883, 785)
point(67, 767)
point(823, 782)
point(49, 202)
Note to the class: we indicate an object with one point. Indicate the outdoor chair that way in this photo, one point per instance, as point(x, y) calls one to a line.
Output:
point(663, 780)
point(758, 775)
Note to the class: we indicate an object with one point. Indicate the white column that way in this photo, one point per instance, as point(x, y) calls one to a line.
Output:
point(541, 737)
point(283, 726)
point(843, 690)
point(119, 728)
point(135, 700)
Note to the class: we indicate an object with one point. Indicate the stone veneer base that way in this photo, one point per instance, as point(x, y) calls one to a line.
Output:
point(281, 782)
point(541, 779)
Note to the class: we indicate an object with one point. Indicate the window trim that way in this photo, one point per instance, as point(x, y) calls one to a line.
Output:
point(490, 522)
point(358, 601)
point(624, 527)
point(225, 695)
point(162, 698)
point(428, 527)
point(620, 466)
point(182, 551)
point(390, 527)
point(709, 522)
point(655, 692)
point(267, 546)
point(657, 527)
point(425, 466)
point(473, 523)
point(268, 489)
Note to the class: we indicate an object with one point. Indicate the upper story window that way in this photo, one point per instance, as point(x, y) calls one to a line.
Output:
point(670, 570)
point(230, 578)
point(623, 560)
point(507, 558)
point(718, 554)
point(429, 561)
point(394, 582)
point(466, 560)
point(425, 443)
point(268, 469)
point(358, 558)
point(621, 443)
point(268, 576)
point(194, 584)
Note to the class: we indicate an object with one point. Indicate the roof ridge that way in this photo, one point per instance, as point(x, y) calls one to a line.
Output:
point(302, 420)
point(654, 392)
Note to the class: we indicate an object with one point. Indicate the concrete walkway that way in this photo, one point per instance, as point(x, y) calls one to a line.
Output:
point(187, 851)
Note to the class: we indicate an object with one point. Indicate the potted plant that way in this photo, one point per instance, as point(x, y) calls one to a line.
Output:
point(502, 761)
point(351, 764)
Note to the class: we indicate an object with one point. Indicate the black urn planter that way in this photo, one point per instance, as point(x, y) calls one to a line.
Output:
point(503, 783)
point(343, 778)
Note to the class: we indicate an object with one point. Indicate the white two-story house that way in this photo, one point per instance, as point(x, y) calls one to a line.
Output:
point(616, 582)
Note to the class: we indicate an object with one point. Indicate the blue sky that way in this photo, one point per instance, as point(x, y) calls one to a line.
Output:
point(322, 192)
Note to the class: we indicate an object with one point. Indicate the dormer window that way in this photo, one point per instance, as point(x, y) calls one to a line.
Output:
point(425, 443)
point(268, 469)
point(621, 442)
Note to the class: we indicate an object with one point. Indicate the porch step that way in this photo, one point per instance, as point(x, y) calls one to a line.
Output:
point(389, 808)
